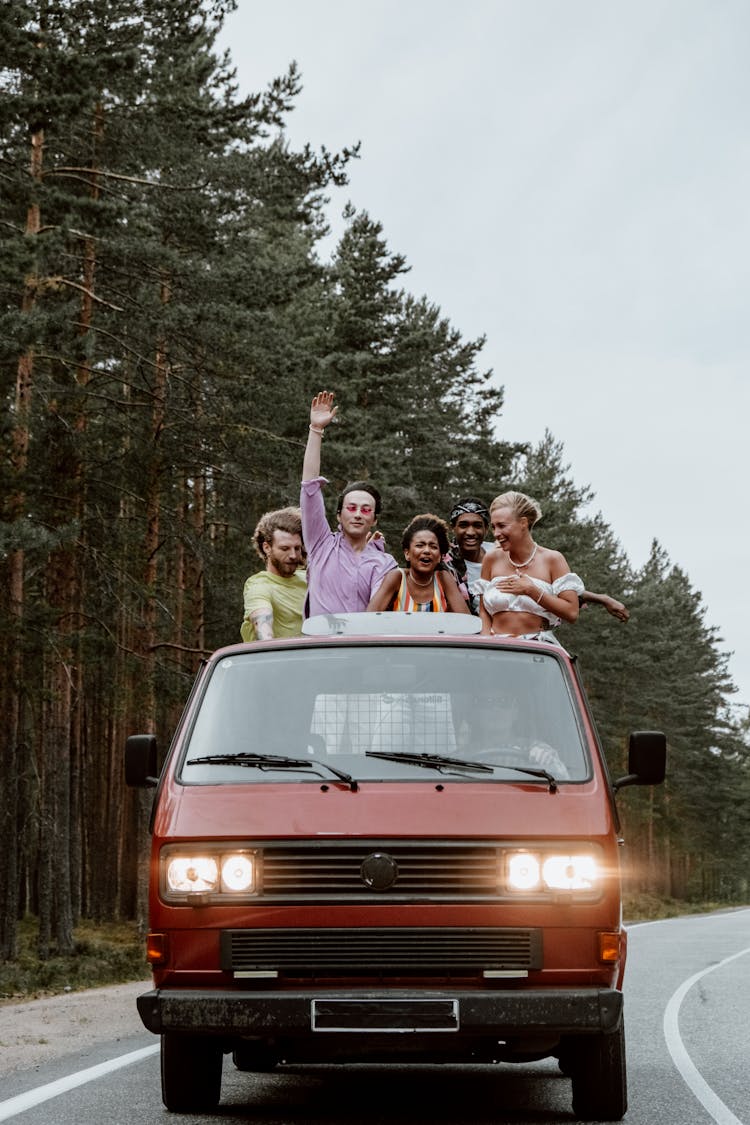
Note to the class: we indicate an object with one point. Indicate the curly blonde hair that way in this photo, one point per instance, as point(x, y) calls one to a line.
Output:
point(283, 519)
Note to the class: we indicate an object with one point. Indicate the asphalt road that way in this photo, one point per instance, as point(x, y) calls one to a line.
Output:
point(687, 1014)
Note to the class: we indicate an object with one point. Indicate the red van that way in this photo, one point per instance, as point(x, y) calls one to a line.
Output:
point(391, 839)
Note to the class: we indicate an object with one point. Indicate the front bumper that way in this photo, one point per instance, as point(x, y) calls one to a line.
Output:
point(298, 1015)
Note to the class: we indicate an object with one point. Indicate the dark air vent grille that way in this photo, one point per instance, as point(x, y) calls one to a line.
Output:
point(390, 951)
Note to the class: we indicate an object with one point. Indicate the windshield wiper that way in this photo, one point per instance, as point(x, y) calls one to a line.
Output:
point(438, 762)
point(535, 771)
point(441, 762)
point(271, 762)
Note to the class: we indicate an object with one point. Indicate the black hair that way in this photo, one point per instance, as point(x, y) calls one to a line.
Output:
point(359, 486)
point(427, 522)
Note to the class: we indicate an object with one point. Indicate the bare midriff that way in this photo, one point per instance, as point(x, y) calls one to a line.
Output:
point(512, 623)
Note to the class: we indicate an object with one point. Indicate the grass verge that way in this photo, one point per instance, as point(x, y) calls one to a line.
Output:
point(650, 908)
point(105, 953)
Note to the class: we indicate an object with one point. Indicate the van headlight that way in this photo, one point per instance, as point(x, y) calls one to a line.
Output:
point(197, 873)
point(188, 874)
point(531, 872)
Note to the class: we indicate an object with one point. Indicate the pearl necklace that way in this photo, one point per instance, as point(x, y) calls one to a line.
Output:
point(520, 566)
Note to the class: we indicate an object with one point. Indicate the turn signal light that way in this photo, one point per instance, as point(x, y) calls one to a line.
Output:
point(156, 949)
point(609, 947)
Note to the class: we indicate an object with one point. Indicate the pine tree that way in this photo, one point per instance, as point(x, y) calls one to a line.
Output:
point(677, 682)
point(416, 416)
point(160, 260)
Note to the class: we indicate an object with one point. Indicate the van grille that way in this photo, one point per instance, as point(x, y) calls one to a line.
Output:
point(434, 871)
point(386, 951)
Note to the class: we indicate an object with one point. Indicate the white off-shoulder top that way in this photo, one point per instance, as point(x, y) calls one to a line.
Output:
point(499, 601)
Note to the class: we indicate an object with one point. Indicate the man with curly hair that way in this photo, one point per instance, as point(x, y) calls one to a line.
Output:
point(274, 598)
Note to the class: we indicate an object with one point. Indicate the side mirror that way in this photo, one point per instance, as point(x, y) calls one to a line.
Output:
point(140, 761)
point(647, 759)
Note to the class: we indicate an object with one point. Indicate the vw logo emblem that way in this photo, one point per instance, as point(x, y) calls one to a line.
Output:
point(379, 871)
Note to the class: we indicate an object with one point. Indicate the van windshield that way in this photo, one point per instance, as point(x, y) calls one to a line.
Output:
point(385, 712)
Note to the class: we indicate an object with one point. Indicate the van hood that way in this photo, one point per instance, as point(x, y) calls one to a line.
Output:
point(384, 809)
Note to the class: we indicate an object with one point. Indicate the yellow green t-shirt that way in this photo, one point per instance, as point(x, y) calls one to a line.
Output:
point(284, 596)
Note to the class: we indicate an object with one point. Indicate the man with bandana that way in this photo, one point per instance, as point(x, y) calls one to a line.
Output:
point(470, 523)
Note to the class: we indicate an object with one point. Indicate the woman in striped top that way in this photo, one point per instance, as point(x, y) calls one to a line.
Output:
point(424, 586)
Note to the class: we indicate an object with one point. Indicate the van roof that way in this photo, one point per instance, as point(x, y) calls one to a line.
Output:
point(391, 623)
point(402, 624)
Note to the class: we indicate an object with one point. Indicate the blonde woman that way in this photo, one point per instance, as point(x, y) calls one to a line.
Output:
point(524, 587)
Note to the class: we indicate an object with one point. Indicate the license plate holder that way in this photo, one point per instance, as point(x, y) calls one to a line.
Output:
point(390, 1016)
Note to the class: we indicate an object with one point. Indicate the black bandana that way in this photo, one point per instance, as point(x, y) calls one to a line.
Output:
point(469, 506)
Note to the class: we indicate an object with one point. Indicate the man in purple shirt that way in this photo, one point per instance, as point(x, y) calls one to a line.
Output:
point(345, 567)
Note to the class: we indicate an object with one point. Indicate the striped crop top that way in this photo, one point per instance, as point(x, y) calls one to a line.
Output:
point(405, 602)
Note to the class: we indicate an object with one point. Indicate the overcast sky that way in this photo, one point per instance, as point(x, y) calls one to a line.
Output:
point(570, 178)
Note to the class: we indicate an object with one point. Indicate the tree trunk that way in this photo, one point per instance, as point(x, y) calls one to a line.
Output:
point(150, 614)
point(195, 573)
point(15, 585)
point(57, 748)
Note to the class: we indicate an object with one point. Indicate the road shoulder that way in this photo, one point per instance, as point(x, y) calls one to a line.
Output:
point(33, 1032)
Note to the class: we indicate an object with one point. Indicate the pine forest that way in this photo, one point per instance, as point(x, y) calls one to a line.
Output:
point(167, 313)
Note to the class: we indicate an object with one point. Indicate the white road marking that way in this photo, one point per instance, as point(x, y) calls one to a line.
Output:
point(21, 1102)
point(710, 1101)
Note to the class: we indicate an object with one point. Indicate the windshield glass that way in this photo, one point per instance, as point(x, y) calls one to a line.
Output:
point(383, 712)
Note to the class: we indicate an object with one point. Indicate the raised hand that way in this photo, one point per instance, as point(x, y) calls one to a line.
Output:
point(322, 410)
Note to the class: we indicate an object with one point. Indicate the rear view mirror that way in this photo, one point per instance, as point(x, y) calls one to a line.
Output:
point(647, 759)
point(140, 761)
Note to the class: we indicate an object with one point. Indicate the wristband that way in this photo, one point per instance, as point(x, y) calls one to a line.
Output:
point(316, 430)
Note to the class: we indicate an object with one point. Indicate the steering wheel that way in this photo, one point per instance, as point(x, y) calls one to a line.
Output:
point(499, 755)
